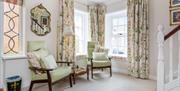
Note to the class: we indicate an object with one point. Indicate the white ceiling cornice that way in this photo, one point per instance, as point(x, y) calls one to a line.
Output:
point(106, 2)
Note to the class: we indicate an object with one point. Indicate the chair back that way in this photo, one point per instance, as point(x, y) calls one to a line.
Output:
point(35, 45)
point(91, 47)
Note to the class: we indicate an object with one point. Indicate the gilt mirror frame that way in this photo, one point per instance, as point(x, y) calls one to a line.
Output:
point(40, 20)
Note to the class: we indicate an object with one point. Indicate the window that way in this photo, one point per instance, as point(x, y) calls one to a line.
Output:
point(81, 32)
point(12, 30)
point(116, 32)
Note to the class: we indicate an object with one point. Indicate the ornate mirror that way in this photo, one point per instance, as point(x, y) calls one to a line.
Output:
point(40, 20)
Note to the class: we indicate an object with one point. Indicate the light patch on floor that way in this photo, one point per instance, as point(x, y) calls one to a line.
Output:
point(102, 82)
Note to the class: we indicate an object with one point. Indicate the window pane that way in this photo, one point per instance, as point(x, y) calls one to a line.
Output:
point(11, 28)
point(118, 45)
point(81, 31)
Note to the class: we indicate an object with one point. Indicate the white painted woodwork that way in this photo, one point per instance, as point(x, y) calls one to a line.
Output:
point(171, 59)
point(160, 68)
point(172, 84)
point(179, 55)
point(1, 46)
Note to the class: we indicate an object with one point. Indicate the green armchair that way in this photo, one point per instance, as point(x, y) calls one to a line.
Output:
point(40, 73)
point(98, 60)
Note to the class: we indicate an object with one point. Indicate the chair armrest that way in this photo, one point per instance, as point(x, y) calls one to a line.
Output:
point(89, 58)
point(62, 62)
point(110, 58)
point(40, 69)
point(43, 70)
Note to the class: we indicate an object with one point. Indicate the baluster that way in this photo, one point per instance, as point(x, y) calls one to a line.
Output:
point(170, 59)
point(160, 69)
point(179, 55)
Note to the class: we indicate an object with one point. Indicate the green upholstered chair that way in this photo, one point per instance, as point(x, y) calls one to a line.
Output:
point(98, 63)
point(47, 75)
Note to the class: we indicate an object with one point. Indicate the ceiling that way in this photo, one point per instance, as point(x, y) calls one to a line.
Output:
point(106, 2)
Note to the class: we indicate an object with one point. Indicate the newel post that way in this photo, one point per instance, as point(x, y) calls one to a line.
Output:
point(160, 65)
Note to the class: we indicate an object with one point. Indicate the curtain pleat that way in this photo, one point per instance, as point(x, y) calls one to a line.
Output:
point(97, 23)
point(138, 38)
point(65, 44)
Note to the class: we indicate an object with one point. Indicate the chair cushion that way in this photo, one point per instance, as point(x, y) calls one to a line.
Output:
point(50, 62)
point(99, 56)
point(57, 74)
point(60, 73)
point(41, 53)
point(33, 60)
point(101, 63)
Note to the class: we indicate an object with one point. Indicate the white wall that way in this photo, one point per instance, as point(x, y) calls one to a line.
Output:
point(53, 7)
point(114, 7)
point(20, 67)
point(81, 6)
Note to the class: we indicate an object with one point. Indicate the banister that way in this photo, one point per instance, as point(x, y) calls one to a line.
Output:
point(176, 29)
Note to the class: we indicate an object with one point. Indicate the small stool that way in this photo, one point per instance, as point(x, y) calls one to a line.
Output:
point(80, 71)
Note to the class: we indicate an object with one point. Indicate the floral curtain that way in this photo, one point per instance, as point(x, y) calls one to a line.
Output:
point(66, 44)
point(138, 38)
point(97, 23)
point(93, 23)
point(18, 2)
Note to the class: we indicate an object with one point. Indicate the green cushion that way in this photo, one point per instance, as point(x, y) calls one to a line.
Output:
point(56, 74)
point(91, 44)
point(35, 45)
point(60, 73)
point(101, 63)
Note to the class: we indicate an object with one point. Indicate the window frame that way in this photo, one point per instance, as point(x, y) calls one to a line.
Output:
point(22, 51)
point(110, 34)
point(85, 33)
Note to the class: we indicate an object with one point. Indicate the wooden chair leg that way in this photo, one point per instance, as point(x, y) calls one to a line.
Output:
point(110, 71)
point(102, 69)
point(87, 73)
point(70, 80)
point(74, 79)
point(50, 85)
point(92, 72)
point(31, 86)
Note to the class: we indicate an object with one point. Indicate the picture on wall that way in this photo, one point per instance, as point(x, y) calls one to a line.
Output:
point(175, 16)
point(174, 3)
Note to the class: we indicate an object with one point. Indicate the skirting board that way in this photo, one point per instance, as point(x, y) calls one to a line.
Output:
point(153, 77)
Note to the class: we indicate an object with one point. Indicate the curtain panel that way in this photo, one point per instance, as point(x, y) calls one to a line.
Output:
point(17, 2)
point(97, 23)
point(138, 38)
point(65, 44)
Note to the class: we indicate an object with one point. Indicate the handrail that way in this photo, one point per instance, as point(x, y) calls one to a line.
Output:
point(176, 29)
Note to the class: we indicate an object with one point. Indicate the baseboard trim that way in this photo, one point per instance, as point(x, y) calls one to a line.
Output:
point(153, 77)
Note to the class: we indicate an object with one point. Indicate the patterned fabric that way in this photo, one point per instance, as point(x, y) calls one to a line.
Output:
point(33, 61)
point(93, 23)
point(101, 24)
point(97, 23)
point(101, 63)
point(138, 38)
point(65, 48)
point(18, 2)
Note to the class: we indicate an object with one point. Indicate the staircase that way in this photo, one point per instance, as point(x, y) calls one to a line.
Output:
point(168, 76)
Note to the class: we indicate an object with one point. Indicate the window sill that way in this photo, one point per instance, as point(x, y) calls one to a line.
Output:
point(15, 57)
point(118, 55)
